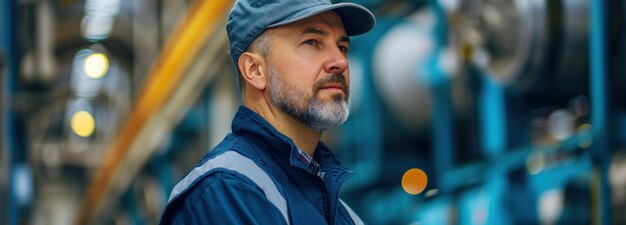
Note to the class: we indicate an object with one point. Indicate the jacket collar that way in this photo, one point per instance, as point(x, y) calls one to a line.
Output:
point(250, 125)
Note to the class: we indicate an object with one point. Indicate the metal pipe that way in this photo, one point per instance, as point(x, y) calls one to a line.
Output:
point(442, 125)
point(599, 108)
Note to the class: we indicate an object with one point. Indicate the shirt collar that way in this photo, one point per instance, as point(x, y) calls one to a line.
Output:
point(311, 165)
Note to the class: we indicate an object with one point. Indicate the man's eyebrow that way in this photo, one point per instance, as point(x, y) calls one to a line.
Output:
point(344, 39)
point(311, 30)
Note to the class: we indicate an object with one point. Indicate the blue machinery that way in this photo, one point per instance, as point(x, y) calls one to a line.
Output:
point(483, 192)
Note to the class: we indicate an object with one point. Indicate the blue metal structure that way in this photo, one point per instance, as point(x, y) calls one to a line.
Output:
point(600, 111)
point(457, 183)
point(7, 45)
point(20, 178)
point(442, 125)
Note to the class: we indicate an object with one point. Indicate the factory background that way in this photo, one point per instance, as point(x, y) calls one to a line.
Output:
point(514, 109)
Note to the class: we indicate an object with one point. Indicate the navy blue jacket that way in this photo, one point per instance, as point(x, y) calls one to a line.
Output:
point(223, 196)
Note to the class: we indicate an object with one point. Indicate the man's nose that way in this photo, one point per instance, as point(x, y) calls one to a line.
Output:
point(337, 62)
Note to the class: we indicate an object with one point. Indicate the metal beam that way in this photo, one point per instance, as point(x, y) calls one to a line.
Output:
point(600, 110)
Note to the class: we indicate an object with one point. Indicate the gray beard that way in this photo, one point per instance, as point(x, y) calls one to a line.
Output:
point(309, 110)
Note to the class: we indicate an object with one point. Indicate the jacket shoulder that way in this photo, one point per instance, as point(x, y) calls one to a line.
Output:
point(224, 172)
point(220, 195)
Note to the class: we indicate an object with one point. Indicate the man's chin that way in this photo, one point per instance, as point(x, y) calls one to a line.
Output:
point(325, 114)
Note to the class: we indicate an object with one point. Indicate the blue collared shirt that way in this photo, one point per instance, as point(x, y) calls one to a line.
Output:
point(311, 165)
point(310, 185)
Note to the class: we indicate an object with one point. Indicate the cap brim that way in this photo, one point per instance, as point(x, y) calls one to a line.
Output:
point(356, 19)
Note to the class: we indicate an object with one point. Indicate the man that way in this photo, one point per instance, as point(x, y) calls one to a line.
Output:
point(290, 56)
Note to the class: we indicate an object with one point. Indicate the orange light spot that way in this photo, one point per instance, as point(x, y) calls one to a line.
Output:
point(414, 181)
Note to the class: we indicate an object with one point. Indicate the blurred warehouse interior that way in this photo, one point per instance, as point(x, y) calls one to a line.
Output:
point(515, 109)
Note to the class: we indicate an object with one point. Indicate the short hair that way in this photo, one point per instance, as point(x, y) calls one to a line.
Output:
point(260, 45)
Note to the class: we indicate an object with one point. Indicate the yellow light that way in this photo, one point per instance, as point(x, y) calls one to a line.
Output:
point(96, 65)
point(83, 124)
point(414, 181)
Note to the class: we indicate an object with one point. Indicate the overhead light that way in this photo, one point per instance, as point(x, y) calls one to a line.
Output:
point(83, 124)
point(96, 65)
point(99, 16)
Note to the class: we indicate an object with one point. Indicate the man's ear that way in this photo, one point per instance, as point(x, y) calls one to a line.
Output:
point(252, 67)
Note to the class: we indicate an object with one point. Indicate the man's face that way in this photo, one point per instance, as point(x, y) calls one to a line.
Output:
point(308, 71)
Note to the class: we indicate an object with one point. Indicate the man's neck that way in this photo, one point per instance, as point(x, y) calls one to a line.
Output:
point(303, 137)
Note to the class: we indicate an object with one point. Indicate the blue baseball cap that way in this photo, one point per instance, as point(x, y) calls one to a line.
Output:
point(249, 18)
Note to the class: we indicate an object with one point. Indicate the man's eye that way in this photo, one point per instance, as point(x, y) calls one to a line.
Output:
point(343, 49)
point(311, 42)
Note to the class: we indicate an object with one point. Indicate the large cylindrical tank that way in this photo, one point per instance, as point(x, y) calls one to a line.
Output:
point(403, 65)
point(534, 48)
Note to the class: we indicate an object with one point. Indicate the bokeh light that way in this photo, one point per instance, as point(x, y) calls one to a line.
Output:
point(586, 137)
point(535, 162)
point(414, 181)
point(96, 65)
point(83, 124)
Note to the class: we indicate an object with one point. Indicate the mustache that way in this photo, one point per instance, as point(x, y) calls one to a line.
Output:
point(334, 78)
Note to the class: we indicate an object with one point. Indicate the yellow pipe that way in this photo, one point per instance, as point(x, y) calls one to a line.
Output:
point(191, 34)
